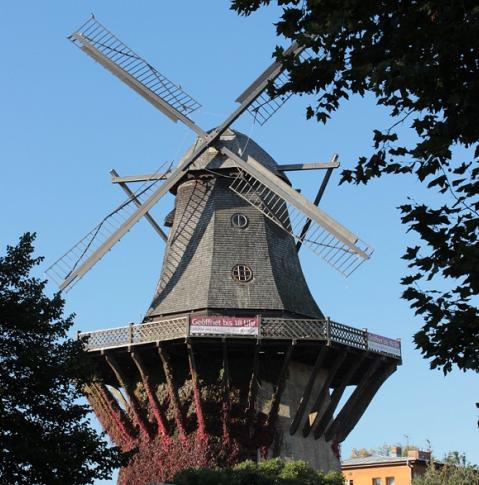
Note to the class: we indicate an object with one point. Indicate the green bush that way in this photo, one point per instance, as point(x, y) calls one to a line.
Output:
point(269, 472)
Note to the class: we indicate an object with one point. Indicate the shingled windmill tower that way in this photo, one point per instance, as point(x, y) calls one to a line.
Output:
point(234, 359)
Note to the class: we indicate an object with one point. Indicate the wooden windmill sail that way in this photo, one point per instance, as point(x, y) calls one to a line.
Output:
point(266, 191)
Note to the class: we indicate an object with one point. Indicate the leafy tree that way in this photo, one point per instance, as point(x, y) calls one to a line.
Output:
point(420, 61)
point(453, 471)
point(45, 433)
point(269, 472)
point(361, 453)
point(383, 450)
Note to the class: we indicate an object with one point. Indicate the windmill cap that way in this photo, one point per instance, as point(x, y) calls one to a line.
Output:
point(238, 143)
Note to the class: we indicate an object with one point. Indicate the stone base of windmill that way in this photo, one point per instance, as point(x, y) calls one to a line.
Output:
point(318, 453)
point(216, 401)
point(231, 440)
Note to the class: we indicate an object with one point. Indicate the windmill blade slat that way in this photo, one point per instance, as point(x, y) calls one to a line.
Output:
point(64, 270)
point(264, 106)
point(103, 46)
point(91, 253)
point(290, 211)
point(341, 256)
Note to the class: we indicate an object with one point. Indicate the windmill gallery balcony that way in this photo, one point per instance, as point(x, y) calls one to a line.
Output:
point(277, 373)
point(202, 327)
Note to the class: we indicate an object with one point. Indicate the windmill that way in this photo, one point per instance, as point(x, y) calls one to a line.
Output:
point(234, 358)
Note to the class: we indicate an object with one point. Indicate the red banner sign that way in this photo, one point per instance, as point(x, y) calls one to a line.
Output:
point(224, 325)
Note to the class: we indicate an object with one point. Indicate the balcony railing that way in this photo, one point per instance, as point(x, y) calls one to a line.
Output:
point(268, 328)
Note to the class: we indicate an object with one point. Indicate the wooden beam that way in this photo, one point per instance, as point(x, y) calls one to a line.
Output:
point(134, 403)
point(316, 202)
point(316, 407)
point(226, 395)
point(226, 366)
point(328, 413)
point(333, 427)
point(294, 167)
point(196, 391)
point(274, 408)
point(287, 193)
point(253, 389)
point(116, 179)
point(86, 46)
point(117, 418)
point(152, 399)
point(363, 401)
point(148, 216)
point(276, 398)
point(120, 398)
point(298, 417)
point(172, 392)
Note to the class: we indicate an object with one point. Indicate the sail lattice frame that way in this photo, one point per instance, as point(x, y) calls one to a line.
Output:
point(100, 38)
point(61, 269)
point(322, 242)
point(265, 106)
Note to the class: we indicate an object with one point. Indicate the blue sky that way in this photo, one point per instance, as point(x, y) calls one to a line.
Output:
point(65, 122)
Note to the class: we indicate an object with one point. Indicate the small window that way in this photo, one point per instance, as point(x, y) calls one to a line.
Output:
point(240, 221)
point(376, 481)
point(241, 272)
point(390, 481)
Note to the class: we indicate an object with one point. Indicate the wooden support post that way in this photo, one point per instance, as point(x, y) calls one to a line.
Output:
point(363, 401)
point(134, 404)
point(117, 419)
point(334, 426)
point(275, 401)
point(324, 390)
point(130, 332)
point(133, 197)
point(196, 392)
point(226, 395)
point(317, 200)
point(327, 416)
point(152, 399)
point(104, 414)
point(253, 389)
point(172, 392)
point(328, 331)
point(298, 417)
point(332, 431)
point(276, 398)
point(120, 398)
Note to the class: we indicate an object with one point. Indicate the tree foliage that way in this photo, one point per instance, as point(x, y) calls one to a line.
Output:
point(451, 472)
point(45, 433)
point(361, 453)
point(269, 472)
point(383, 450)
point(420, 61)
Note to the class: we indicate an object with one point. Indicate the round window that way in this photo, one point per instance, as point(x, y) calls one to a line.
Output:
point(241, 272)
point(239, 220)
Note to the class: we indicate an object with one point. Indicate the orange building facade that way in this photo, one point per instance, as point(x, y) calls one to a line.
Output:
point(385, 470)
